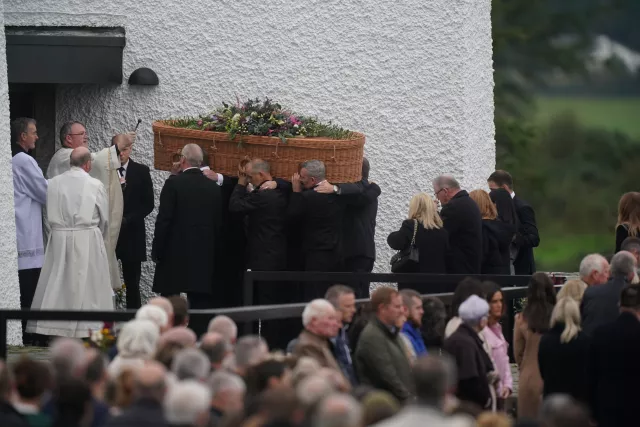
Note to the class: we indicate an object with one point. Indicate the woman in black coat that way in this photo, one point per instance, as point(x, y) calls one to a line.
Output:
point(507, 214)
point(563, 351)
point(431, 239)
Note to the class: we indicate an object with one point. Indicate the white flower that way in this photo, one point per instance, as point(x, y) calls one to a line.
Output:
point(96, 336)
point(295, 126)
point(236, 117)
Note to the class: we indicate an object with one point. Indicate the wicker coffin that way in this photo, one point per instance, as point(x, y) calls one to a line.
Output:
point(342, 157)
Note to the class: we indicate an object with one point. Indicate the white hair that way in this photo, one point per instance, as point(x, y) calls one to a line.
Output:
point(250, 351)
point(67, 356)
point(155, 314)
point(316, 309)
point(221, 381)
point(590, 263)
point(138, 338)
point(191, 364)
point(225, 326)
point(193, 154)
point(446, 181)
point(338, 410)
point(185, 401)
point(313, 389)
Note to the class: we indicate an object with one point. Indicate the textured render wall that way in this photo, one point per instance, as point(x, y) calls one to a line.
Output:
point(414, 76)
point(9, 287)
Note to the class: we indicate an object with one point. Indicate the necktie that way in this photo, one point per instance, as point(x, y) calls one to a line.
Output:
point(123, 183)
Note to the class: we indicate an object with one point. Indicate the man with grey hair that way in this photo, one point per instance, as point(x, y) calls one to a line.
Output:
point(191, 364)
point(594, 270)
point(216, 348)
point(67, 358)
point(187, 404)
point(250, 350)
point(472, 361)
point(224, 326)
point(600, 304)
point(320, 322)
point(462, 219)
point(343, 299)
point(561, 410)
point(188, 226)
point(227, 395)
point(75, 274)
point(338, 410)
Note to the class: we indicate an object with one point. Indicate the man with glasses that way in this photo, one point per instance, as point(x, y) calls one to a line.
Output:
point(105, 165)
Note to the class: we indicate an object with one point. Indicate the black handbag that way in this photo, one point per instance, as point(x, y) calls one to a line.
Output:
point(406, 260)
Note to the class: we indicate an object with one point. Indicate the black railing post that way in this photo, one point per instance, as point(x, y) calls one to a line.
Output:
point(3, 336)
point(247, 296)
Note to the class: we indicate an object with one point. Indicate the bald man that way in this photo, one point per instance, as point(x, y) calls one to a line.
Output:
point(186, 232)
point(75, 275)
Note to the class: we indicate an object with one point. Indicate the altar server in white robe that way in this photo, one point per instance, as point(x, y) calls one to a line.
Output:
point(105, 168)
point(75, 275)
point(29, 196)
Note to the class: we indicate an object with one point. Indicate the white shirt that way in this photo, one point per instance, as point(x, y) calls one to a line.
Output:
point(123, 173)
point(513, 194)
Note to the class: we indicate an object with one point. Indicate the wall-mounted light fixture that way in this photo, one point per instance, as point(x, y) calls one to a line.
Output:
point(144, 77)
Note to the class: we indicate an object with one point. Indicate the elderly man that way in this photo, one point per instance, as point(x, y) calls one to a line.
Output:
point(462, 219)
point(600, 303)
point(227, 395)
point(343, 299)
point(180, 335)
point(472, 360)
point(187, 229)
point(411, 330)
point(191, 364)
point(594, 270)
point(156, 315)
point(250, 350)
point(381, 360)
point(187, 404)
point(338, 410)
point(166, 305)
point(216, 348)
point(224, 326)
point(320, 325)
point(75, 275)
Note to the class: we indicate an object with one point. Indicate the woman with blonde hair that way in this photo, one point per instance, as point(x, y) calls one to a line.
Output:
point(628, 218)
point(562, 355)
point(573, 289)
point(423, 229)
point(496, 236)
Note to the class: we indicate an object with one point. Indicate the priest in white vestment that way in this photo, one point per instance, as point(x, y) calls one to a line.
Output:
point(105, 164)
point(75, 275)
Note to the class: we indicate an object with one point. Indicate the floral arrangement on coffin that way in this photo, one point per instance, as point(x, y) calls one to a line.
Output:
point(102, 339)
point(120, 297)
point(261, 118)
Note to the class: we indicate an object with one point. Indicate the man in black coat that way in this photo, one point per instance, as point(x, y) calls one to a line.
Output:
point(613, 372)
point(187, 233)
point(600, 303)
point(137, 193)
point(527, 236)
point(462, 219)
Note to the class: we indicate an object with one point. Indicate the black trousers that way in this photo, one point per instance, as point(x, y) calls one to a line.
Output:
point(28, 283)
point(131, 272)
point(360, 264)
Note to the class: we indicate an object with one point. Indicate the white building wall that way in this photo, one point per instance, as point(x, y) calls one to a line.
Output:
point(415, 76)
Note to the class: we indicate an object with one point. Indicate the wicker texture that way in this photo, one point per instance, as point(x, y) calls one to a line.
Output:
point(342, 157)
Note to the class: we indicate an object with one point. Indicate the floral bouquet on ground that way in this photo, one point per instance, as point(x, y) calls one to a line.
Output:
point(102, 339)
point(120, 300)
point(261, 118)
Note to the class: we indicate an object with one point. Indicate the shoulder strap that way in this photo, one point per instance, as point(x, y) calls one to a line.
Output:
point(415, 231)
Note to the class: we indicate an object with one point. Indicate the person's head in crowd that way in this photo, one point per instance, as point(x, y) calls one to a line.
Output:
point(560, 410)
point(487, 208)
point(166, 305)
point(319, 318)
point(250, 350)
point(216, 348)
point(632, 244)
point(73, 135)
point(630, 300)
point(277, 406)
point(594, 270)
point(187, 404)
point(167, 352)
point(432, 378)
point(377, 406)
point(24, 133)
point(566, 314)
point(445, 187)
point(180, 310)
point(119, 393)
point(137, 342)
point(191, 364)
point(474, 312)
point(155, 314)
point(434, 321)
point(493, 419)
point(343, 299)
point(500, 179)
point(259, 171)
point(32, 380)
point(412, 302)
point(573, 289)
point(267, 375)
point(629, 213)
point(541, 298)
point(67, 358)
point(227, 391)
point(72, 403)
point(150, 382)
point(224, 326)
point(623, 266)
point(192, 157)
point(312, 173)
point(496, 303)
point(305, 367)
point(386, 303)
point(81, 158)
point(505, 208)
point(338, 410)
point(95, 373)
point(423, 209)
point(180, 335)
point(313, 389)
point(467, 287)
point(364, 313)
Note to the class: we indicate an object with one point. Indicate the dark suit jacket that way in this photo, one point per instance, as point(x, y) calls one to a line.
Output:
point(360, 223)
point(600, 304)
point(138, 203)
point(613, 372)
point(496, 240)
point(526, 239)
point(432, 246)
point(266, 214)
point(143, 412)
point(187, 233)
point(321, 216)
point(462, 219)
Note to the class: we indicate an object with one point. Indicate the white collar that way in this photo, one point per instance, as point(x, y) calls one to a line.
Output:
point(125, 165)
point(191, 167)
point(513, 194)
point(77, 169)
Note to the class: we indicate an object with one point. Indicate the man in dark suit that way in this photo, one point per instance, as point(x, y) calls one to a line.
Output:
point(187, 233)
point(527, 236)
point(613, 372)
point(600, 302)
point(137, 193)
point(462, 219)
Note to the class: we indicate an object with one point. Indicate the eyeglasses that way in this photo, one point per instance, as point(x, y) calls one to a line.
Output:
point(438, 192)
point(78, 134)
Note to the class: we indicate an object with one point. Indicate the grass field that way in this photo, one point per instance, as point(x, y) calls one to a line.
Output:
point(622, 114)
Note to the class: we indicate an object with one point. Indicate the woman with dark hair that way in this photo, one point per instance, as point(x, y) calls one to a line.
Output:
point(534, 321)
point(507, 215)
point(628, 218)
point(464, 290)
point(496, 341)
